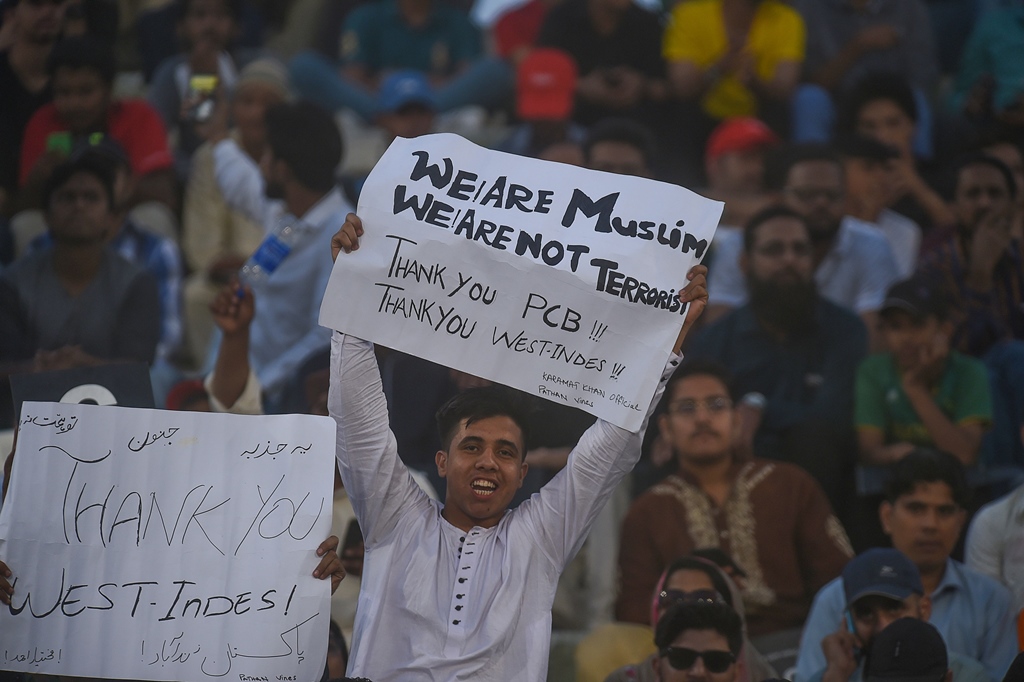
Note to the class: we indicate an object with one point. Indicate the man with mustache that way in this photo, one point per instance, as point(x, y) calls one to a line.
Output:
point(793, 355)
point(772, 518)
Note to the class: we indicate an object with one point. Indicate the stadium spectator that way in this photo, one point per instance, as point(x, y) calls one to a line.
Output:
point(848, 39)
point(698, 642)
point(853, 264)
point(217, 238)
point(883, 106)
point(792, 352)
point(208, 29)
point(910, 649)
point(82, 75)
point(717, 499)
point(882, 588)
point(729, 58)
point(303, 150)
point(85, 304)
point(981, 268)
point(616, 47)
point(621, 146)
point(923, 515)
point(34, 27)
point(734, 162)
point(516, 30)
point(504, 624)
point(995, 542)
point(429, 36)
point(919, 392)
point(868, 167)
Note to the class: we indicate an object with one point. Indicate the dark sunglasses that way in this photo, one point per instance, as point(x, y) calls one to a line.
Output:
point(682, 658)
point(669, 598)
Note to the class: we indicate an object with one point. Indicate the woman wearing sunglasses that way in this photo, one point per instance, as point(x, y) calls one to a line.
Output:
point(693, 580)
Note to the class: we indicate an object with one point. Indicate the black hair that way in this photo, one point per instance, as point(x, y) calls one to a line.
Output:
point(985, 160)
point(94, 164)
point(700, 616)
point(859, 146)
point(234, 8)
point(763, 216)
point(925, 465)
point(692, 563)
point(885, 85)
point(779, 162)
point(482, 403)
point(624, 131)
point(700, 367)
point(304, 136)
point(83, 52)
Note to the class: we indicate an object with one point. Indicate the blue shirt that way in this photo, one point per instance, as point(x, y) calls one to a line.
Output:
point(971, 611)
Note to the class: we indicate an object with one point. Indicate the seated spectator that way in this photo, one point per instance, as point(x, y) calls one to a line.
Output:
point(429, 36)
point(158, 255)
point(1010, 151)
point(867, 165)
point(853, 265)
point(995, 543)
point(981, 268)
point(304, 149)
point(730, 58)
point(208, 29)
point(34, 28)
point(616, 47)
point(919, 392)
point(734, 163)
point(545, 90)
point(216, 238)
point(793, 353)
point(686, 581)
point(85, 304)
point(698, 641)
point(620, 146)
point(883, 589)
point(848, 39)
point(923, 515)
point(910, 649)
point(82, 75)
point(406, 105)
point(883, 106)
point(771, 517)
point(989, 86)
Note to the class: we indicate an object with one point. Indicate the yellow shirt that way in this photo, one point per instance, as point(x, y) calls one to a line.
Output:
point(696, 33)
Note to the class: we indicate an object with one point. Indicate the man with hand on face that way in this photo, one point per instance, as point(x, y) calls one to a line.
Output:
point(464, 590)
point(923, 514)
point(881, 587)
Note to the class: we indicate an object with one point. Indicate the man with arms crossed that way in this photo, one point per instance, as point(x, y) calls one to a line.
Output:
point(464, 590)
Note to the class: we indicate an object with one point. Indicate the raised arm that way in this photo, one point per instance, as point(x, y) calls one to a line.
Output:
point(377, 481)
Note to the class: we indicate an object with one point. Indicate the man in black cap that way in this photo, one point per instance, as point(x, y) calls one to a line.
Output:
point(909, 650)
point(919, 392)
point(881, 587)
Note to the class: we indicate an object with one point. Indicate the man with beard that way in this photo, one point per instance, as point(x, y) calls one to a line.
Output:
point(793, 353)
point(772, 518)
point(852, 262)
point(294, 181)
point(981, 268)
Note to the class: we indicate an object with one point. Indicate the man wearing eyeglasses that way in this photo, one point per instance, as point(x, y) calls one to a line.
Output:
point(852, 262)
point(772, 518)
point(881, 587)
point(698, 642)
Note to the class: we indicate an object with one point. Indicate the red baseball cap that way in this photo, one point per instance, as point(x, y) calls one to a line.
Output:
point(739, 135)
point(545, 85)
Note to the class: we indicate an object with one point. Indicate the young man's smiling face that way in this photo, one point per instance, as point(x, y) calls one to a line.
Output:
point(484, 467)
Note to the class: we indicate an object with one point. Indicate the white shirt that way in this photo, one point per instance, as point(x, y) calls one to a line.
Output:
point(428, 611)
point(995, 543)
point(855, 273)
point(904, 237)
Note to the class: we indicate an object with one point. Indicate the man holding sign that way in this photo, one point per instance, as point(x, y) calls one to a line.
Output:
point(464, 590)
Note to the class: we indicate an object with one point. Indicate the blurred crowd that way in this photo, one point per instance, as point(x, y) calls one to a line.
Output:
point(856, 383)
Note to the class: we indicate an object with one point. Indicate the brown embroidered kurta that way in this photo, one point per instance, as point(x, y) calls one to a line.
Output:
point(776, 524)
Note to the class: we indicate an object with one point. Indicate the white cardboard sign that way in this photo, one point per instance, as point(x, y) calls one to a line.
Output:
point(158, 545)
point(556, 280)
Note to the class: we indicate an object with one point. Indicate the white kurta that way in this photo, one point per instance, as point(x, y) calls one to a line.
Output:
point(426, 610)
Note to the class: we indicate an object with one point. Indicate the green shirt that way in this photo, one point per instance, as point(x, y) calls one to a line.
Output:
point(962, 394)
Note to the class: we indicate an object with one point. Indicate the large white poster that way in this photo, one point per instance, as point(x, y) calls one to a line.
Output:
point(559, 281)
point(148, 544)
